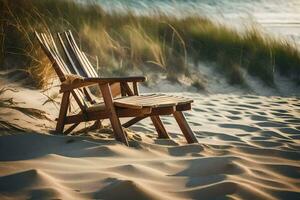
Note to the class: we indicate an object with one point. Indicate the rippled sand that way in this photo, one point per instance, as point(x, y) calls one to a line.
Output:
point(249, 148)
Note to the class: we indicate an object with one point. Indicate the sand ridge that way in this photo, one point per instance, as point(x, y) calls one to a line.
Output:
point(249, 148)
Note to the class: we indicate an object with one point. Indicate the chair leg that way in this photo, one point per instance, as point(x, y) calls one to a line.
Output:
point(118, 130)
point(71, 128)
point(185, 128)
point(114, 120)
point(62, 112)
point(159, 126)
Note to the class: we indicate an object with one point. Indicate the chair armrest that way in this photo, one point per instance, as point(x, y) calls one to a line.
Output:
point(120, 79)
point(77, 82)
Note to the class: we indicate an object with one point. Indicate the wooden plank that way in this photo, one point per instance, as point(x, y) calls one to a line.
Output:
point(125, 104)
point(92, 81)
point(114, 120)
point(127, 89)
point(58, 69)
point(85, 63)
point(79, 100)
point(97, 125)
point(125, 112)
point(115, 89)
point(163, 111)
point(91, 116)
point(88, 95)
point(145, 101)
point(133, 121)
point(71, 128)
point(76, 54)
point(55, 54)
point(63, 112)
point(46, 51)
point(153, 98)
point(135, 88)
point(71, 57)
point(159, 126)
point(92, 69)
point(75, 65)
point(184, 107)
point(185, 128)
point(123, 90)
point(95, 115)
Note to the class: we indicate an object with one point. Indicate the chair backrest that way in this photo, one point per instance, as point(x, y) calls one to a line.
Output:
point(61, 68)
point(78, 59)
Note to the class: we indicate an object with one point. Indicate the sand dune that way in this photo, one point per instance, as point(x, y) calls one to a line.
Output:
point(249, 148)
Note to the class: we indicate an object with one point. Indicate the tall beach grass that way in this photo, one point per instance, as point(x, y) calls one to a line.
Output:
point(158, 43)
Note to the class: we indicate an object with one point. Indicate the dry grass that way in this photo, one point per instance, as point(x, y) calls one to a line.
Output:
point(158, 43)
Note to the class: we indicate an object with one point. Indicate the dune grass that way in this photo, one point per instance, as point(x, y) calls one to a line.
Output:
point(157, 43)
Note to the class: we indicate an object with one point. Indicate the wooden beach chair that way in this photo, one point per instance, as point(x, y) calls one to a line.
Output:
point(75, 80)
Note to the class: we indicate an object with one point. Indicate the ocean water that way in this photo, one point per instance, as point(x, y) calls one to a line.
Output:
point(279, 17)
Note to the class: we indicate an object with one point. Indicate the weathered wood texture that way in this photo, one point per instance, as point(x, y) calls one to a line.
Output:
point(129, 103)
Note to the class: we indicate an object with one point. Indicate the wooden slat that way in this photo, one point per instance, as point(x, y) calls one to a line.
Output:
point(135, 88)
point(83, 56)
point(76, 57)
point(128, 105)
point(149, 101)
point(92, 69)
point(163, 111)
point(59, 71)
point(55, 54)
point(74, 63)
point(79, 99)
point(126, 88)
point(123, 90)
point(85, 64)
point(71, 128)
point(133, 121)
point(83, 82)
point(161, 97)
point(184, 107)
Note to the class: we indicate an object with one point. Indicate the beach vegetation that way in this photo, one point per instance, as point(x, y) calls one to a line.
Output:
point(119, 43)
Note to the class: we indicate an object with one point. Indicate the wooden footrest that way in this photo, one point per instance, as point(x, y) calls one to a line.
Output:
point(151, 100)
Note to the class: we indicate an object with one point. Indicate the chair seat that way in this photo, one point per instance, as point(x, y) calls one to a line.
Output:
point(143, 101)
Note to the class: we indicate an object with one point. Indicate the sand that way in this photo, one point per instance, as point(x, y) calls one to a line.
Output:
point(249, 148)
